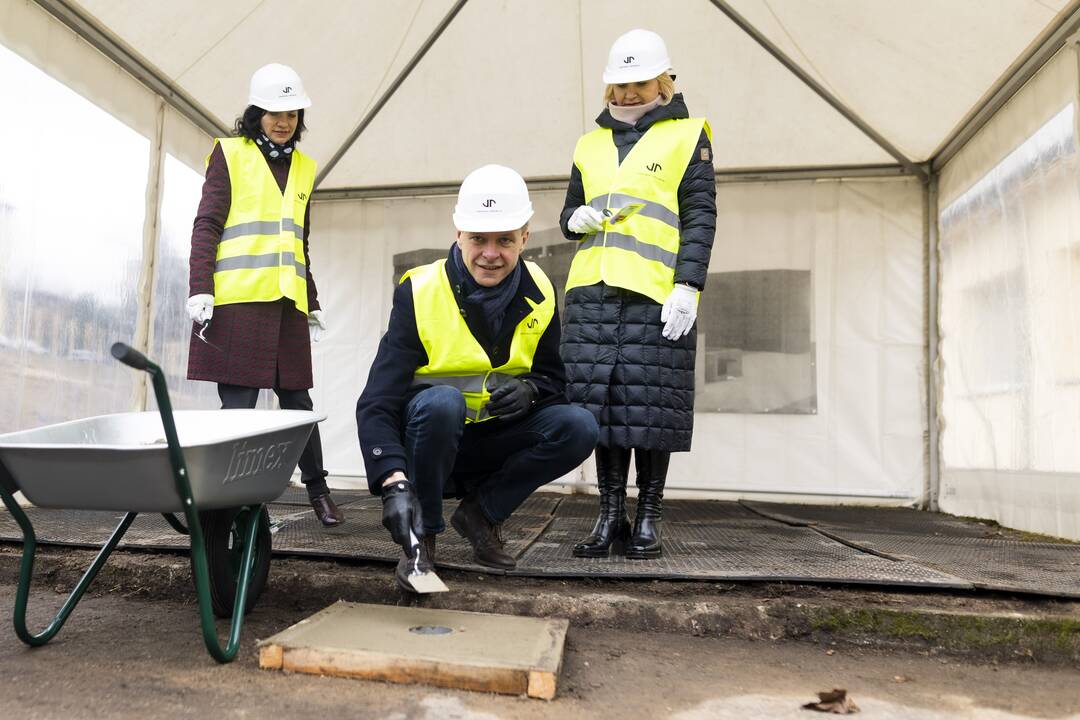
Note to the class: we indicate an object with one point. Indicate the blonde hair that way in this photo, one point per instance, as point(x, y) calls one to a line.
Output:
point(667, 90)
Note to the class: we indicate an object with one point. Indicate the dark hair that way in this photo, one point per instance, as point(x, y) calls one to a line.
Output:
point(247, 125)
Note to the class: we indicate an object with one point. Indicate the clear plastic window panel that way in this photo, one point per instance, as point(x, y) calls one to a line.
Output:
point(72, 205)
point(1010, 310)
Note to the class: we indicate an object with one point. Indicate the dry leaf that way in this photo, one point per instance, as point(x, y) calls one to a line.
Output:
point(833, 701)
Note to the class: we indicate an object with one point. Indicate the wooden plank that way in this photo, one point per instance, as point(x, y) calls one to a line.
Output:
point(406, 671)
point(270, 657)
point(443, 648)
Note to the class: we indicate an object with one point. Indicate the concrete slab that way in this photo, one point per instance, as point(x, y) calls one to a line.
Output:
point(446, 648)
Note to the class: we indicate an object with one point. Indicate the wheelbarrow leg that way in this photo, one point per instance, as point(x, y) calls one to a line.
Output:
point(26, 572)
point(200, 568)
point(137, 360)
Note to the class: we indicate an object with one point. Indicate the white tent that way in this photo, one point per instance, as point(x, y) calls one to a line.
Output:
point(857, 143)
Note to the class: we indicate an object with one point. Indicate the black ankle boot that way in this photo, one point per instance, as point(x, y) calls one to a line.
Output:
point(612, 528)
point(652, 466)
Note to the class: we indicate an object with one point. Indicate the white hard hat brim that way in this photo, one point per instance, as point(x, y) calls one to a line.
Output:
point(281, 104)
point(496, 222)
point(629, 75)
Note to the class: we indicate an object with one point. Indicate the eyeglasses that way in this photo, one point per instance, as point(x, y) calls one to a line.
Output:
point(201, 334)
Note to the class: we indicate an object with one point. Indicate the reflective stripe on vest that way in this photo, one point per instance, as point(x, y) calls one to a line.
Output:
point(455, 358)
point(260, 257)
point(638, 253)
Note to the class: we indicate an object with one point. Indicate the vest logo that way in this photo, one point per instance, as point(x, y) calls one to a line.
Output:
point(532, 323)
point(654, 167)
point(628, 59)
point(489, 202)
point(247, 460)
point(301, 195)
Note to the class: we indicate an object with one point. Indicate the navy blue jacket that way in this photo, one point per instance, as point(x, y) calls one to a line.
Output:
point(380, 410)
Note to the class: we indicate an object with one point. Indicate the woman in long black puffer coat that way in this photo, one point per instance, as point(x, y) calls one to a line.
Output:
point(629, 341)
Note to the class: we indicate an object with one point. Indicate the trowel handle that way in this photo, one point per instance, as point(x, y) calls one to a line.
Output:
point(414, 544)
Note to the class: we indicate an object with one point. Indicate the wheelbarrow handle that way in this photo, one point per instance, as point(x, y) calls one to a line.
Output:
point(130, 356)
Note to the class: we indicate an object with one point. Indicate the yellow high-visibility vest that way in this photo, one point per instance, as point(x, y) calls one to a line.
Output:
point(455, 358)
point(261, 254)
point(638, 253)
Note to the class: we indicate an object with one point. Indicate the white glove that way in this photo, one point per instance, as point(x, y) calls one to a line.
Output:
point(585, 220)
point(680, 312)
point(316, 325)
point(200, 308)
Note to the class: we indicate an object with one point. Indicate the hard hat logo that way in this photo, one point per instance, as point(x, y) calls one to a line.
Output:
point(492, 198)
point(636, 56)
point(277, 88)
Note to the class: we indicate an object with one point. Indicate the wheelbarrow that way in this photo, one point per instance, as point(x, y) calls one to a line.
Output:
point(216, 468)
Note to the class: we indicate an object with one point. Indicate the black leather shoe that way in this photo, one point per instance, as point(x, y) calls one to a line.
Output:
point(425, 563)
point(484, 536)
point(326, 510)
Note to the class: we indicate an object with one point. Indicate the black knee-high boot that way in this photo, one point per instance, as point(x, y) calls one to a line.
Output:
point(612, 528)
point(652, 467)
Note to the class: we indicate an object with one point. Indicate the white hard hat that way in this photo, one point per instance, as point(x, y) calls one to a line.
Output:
point(277, 88)
point(635, 56)
point(493, 198)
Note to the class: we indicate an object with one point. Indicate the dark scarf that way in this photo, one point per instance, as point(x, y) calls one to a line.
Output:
point(493, 301)
point(274, 152)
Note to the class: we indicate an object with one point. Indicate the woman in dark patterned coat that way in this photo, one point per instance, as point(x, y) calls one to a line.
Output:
point(642, 202)
point(253, 325)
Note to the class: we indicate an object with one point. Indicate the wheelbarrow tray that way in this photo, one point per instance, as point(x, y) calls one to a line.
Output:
point(120, 462)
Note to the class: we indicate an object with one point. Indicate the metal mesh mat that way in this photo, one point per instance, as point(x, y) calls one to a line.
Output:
point(851, 517)
point(746, 551)
point(362, 536)
point(963, 548)
point(298, 496)
point(91, 528)
point(675, 511)
point(702, 540)
point(989, 564)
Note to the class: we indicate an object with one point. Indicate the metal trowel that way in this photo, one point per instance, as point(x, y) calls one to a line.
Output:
point(422, 582)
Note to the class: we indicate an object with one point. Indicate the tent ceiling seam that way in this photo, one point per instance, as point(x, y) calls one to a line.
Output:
point(220, 40)
point(1023, 69)
point(389, 93)
point(793, 67)
point(132, 63)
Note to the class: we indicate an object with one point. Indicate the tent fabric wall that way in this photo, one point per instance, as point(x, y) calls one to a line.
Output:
point(1010, 324)
point(862, 242)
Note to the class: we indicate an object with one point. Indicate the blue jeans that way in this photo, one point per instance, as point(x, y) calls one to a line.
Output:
point(498, 463)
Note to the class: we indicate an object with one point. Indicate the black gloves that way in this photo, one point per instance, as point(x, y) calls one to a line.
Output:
point(401, 513)
point(512, 399)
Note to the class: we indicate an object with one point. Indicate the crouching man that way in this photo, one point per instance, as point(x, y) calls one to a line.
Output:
point(465, 396)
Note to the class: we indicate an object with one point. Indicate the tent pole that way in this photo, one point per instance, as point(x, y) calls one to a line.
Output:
point(818, 88)
point(389, 93)
point(115, 50)
point(932, 489)
point(144, 326)
point(558, 182)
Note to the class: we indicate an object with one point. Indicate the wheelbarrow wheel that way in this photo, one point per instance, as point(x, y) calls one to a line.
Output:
point(222, 533)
